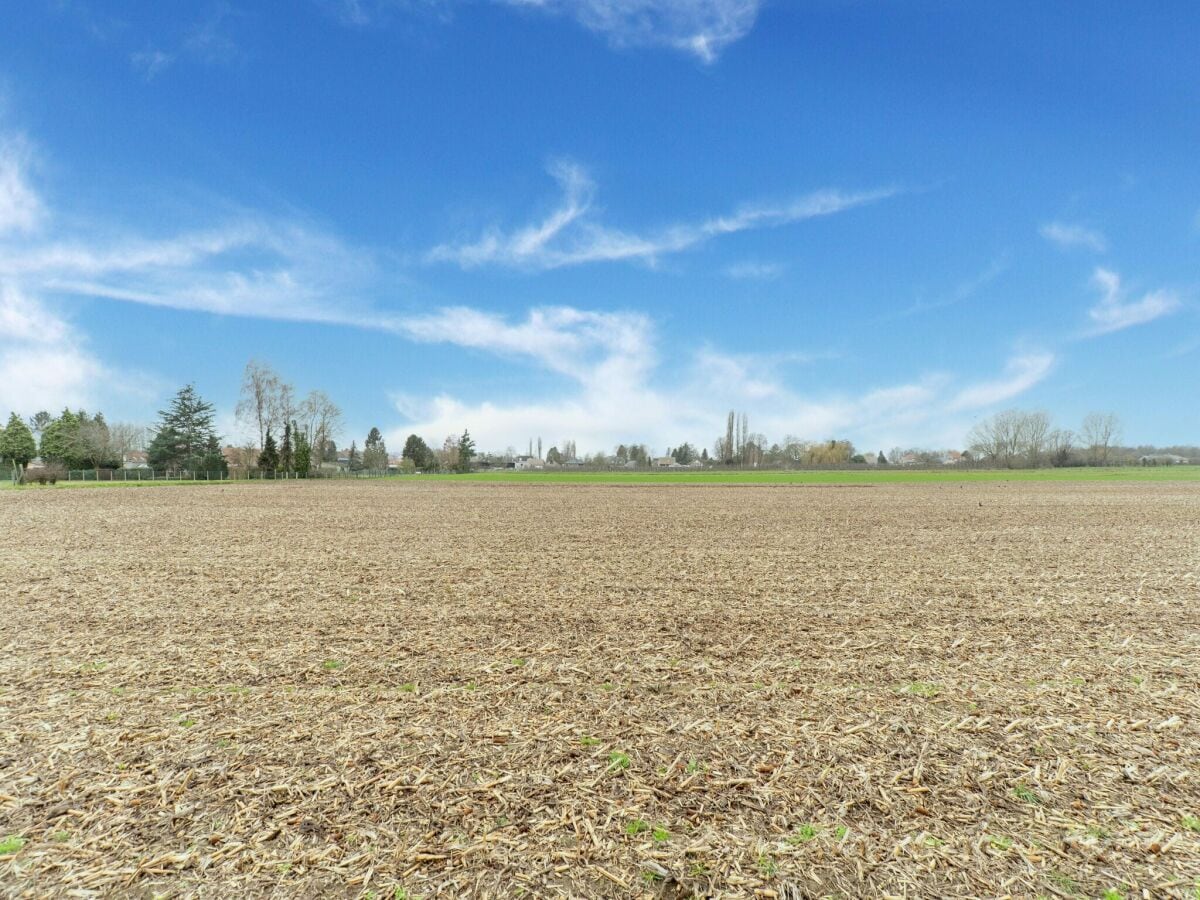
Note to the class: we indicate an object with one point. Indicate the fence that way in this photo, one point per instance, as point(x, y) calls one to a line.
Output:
point(148, 475)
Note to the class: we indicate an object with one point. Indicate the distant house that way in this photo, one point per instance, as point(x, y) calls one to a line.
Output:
point(574, 463)
point(666, 462)
point(1163, 459)
point(528, 462)
point(136, 459)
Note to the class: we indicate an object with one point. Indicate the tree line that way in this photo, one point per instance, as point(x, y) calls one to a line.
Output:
point(298, 436)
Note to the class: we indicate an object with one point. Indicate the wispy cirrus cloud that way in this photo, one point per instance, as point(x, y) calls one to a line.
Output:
point(580, 344)
point(1021, 372)
point(569, 234)
point(703, 28)
point(753, 270)
point(961, 292)
point(1114, 313)
point(20, 207)
point(207, 41)
point(1070, 236)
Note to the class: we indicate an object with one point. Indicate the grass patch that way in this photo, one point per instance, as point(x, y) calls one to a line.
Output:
point(1023, 793)
point(921, 689)
point(637, 826)
point(11, 844)
point(803, 834)
point(1064, 883)
point(332, 665)
point(1191, 823)
point(618, 760)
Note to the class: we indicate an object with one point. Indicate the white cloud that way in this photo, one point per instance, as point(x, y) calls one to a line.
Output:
point(703, 28)
point(207, 41)
point(961, 292)
point(20, 208)
point(616, 391)
point(1113, 313)
point(751, 270)
point(1070, 236)
point(568, 235)
point(43, 362)
point(577, 343)
point(1020, 374)
point(151, 61)
point(252, 267)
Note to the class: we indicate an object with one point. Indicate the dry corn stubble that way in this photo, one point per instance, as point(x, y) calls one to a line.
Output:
point(413, 689)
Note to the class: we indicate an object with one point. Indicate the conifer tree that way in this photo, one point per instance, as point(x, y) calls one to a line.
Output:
point(185, 431)
point(286, 456)
point(303, 452)
point(17, 447)
point(466, 452)
point(269, 458)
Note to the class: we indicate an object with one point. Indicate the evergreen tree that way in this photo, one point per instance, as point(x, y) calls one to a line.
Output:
point(303, 452)
point(164, 449)
point(185, 431)
point(329, 452)
point(17, 447)
point(683, 454)
point(419, 452)
point(60, 441)
point(269, 458)
point(354, 461)
point(287, 458)
point(881, 459)
point(466, 452)
point(214, 461)
point(374, 451)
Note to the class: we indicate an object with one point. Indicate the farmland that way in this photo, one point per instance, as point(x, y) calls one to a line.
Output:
point(413, 688)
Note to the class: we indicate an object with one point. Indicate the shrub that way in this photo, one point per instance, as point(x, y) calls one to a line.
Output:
point(45, 475)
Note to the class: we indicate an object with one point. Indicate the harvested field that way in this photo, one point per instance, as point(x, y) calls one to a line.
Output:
point(429, 689)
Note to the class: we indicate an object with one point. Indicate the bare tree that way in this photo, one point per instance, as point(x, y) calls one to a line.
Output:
point(124, 437)
point(1100, 432)
point(258, 403)
point(322, 419)
point(1035, 436)
point(1060, 444)
point(283, 406)
point(999, 439)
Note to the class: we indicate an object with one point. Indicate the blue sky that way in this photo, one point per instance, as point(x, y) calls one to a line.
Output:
point(607, 220)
